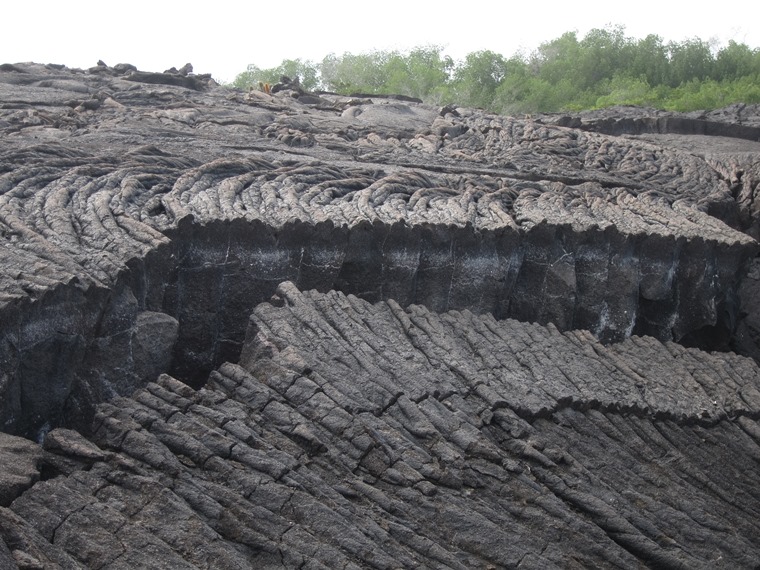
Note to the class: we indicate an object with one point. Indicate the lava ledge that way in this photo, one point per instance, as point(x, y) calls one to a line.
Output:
point(142, 217)
point(371, 436)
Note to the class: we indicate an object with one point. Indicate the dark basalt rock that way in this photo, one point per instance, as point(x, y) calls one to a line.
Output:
point(21, 462)
point(196, 204)
point(715, 136)
point(635, 121)
point(144, 217)
point(369, 436)
point(165, 78)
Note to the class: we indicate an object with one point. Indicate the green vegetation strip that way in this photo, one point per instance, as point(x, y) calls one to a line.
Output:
point(603, 69)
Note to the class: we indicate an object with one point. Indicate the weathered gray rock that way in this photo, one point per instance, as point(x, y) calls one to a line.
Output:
point(739, 121)
point(67, 451)
point(145, 218)
point(727, 139)
point(29, 549)
point(21, 461)
point(125, 196)
point(371, 436)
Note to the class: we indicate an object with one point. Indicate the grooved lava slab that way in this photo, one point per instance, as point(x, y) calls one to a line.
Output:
point(354, 435)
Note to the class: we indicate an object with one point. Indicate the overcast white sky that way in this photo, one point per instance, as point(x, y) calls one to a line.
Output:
point(222, 37)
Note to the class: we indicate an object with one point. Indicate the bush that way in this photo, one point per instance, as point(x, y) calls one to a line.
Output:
point(306, 72)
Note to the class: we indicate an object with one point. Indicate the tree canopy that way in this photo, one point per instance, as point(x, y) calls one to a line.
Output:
point(606, 67)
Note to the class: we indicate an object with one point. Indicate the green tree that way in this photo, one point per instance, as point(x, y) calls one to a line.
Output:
point(649, 60)
point(349, 73)
point(603, 53)
point(690, 59)
point(477, 78)
point(555, 60)
point(306, 72)
point(515, 91)
point(625, 90)
point(250, 77)
point(735, 61)
point(422, 73)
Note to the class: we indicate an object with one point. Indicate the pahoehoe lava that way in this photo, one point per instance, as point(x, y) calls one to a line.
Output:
point(366, 332)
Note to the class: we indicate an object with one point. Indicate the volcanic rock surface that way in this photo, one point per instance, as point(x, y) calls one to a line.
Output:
point(354, 435)
point(145, 216)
